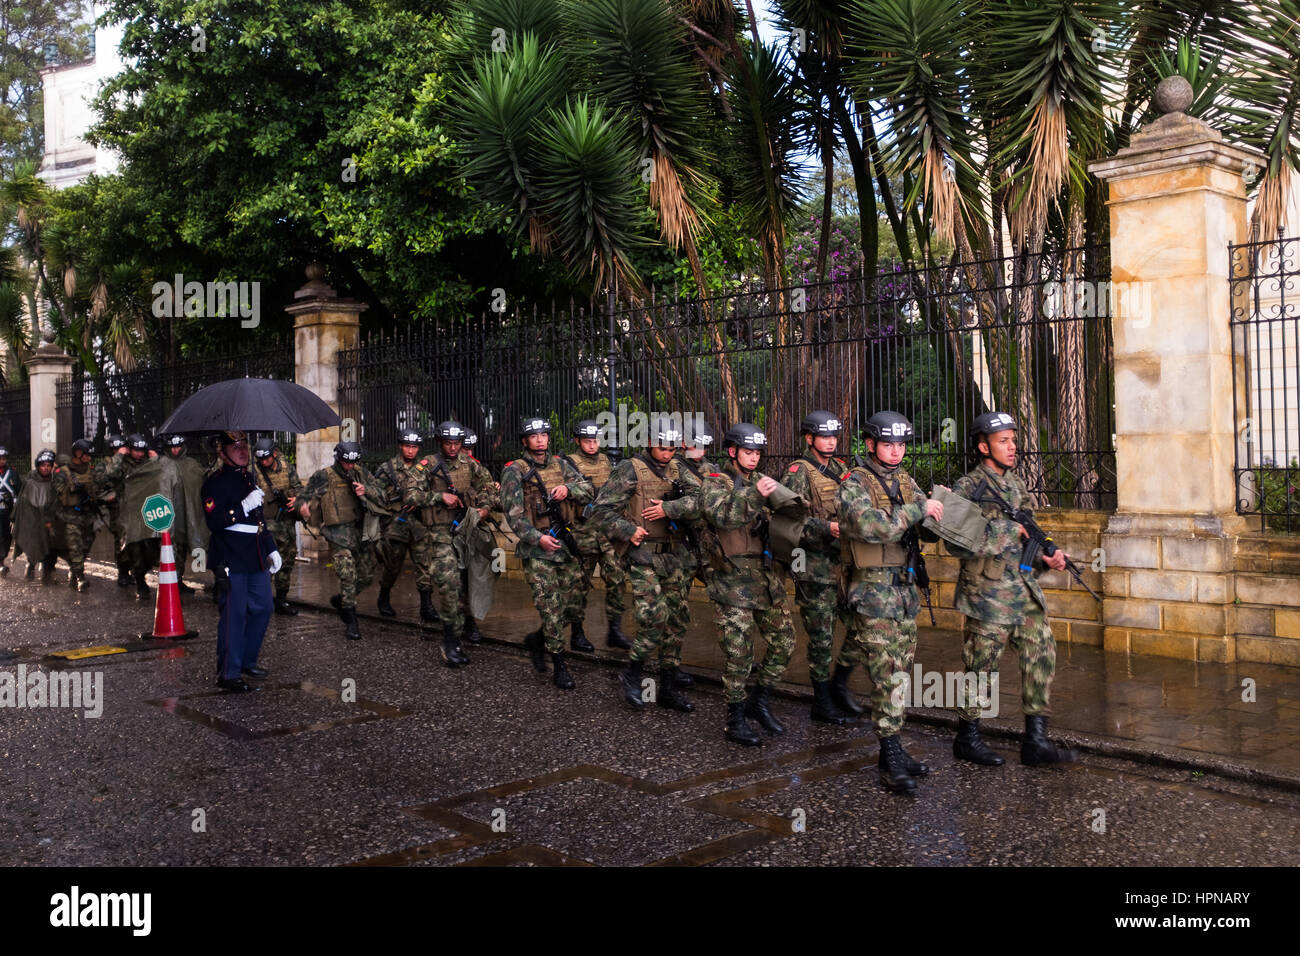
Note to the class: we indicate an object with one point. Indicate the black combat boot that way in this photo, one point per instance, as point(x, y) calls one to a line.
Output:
point(914, 767)
point(841, 696)
point(427, 611)
point(183, 587)
point(562, 679)
point(282, 606)
point(616, 637)
point(452, 655)
point(537, 650)
point(970, 746)
point(738, 729)
point(670, 694)
point(578, 639)
point(1036, 749)
point(352, 630)
point(757, 708)
point(124, 577)
point(823, 708)
point(676, 675)
point(630, 678)
point(893, 773)
point(141, 587)
point(47, 572)
point(77, 581)
point(472, 635)
point(385, 603)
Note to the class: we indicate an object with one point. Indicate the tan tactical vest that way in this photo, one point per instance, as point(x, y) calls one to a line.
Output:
point(276, 480)
point(339, 504)
point(648, 486)
point(597, 471)
point(874, 554)
point(69, 497)
point(825, 491)
point(461, 477)
point(534, 504)
point(739, 542)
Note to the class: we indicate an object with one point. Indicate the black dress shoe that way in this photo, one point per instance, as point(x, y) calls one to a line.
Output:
point(235, 686)
point(255, 671)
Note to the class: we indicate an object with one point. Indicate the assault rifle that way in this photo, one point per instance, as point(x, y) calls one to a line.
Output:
point(404, 509)
point(761, 529)
point(277, 495)
point(441, 467)
point(1038, 542)
point(915, 571)
point(684, 528)
point(559, 529)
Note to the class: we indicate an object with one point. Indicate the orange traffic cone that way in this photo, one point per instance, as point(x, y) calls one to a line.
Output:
point(167, 619)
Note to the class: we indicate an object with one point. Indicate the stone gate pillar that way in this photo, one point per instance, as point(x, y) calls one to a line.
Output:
point(1177, 198)
point(324, 324)
point(45, 367)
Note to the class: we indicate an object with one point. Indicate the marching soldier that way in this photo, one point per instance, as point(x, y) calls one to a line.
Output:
point(696, 447)
point(456, 483)
point(472, 634)
point(747, 588)
point(336, 499)
point(879, 508)
point(816, 478)
point(538, 493)
point(141, 554)
point(11, 485)
point(596, 466)
point(279, 481)
point(114, 508)
point(402, 483)
point(78, 484)
point(631, 508)
point(187, 505)
point(34, 517)
point(1002, 602)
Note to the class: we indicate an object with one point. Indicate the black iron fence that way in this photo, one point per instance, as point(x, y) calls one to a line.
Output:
point(1264, 280)
point(16, 425)
point(940, 343)
point(141, 400)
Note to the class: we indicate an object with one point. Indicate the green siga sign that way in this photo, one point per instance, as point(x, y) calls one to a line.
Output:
point(157, 512)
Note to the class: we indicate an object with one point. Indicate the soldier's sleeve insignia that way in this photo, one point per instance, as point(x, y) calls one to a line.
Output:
point(209, 504)
point(847, 475)
point(793, 469)
point(713, 474)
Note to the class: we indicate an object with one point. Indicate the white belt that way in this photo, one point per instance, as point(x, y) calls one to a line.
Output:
point(243, 528)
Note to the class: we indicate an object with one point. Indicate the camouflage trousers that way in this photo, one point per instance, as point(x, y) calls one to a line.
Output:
point(612, 576)
point(661, 613)
point(555, 593)
point(819, 608)
point(396, 545)
point(888, 647)
point(442, 570)
point(738, 629)
point(354, 569)
point(80, 537)
point(982, 644)
point(287, 544)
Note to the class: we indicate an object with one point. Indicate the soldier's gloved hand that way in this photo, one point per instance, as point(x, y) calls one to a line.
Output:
point(252, 500)
point(274, 562)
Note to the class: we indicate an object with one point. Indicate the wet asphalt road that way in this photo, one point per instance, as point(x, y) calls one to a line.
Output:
point(492, 765)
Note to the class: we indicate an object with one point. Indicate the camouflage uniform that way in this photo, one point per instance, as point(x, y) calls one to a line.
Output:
point(280, 521)
point(1001, 602)
point(338, 511)
point(594, 544)
point(113, 510)
point(404, 488)
point(77, 490)
point(473, 484)
point(661, 567)
point(555, 576)
point(750, 596)
point(882, 627)
point(817, 584)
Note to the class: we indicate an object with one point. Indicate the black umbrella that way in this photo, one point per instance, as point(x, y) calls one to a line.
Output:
point(250, 405)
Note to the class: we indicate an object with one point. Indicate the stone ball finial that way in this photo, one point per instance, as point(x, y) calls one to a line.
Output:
point(315, 271)
point(1173, 95)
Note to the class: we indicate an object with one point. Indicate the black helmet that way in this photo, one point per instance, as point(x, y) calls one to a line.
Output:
point(533, 425)
point(889, 426)
point(174, 441)
point(137, 442)
point(45, 455)
point(471, 438)
point(450, 431)
point(264, 448)
point(408, 437)
point(4, 452)
point(820, 423)
point(347, 451)
point(83, 444)
point(697, 434)
point(745, 435)
point(991, 422)
point(587, 428)
point(115, 442)
point(665, 433)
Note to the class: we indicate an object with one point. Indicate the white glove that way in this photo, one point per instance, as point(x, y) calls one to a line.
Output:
point(274, 562)
point(254, 500)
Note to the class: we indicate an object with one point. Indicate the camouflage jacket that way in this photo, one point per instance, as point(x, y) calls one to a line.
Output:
point(728, 501)
point(873, 591)
point(96, 490)
point(285, 477)
point(991, 586)
point(405, 489)
point(481, 492)
point(821, 558)
point(342, 535)
point(611, 503)
point(512, 503)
